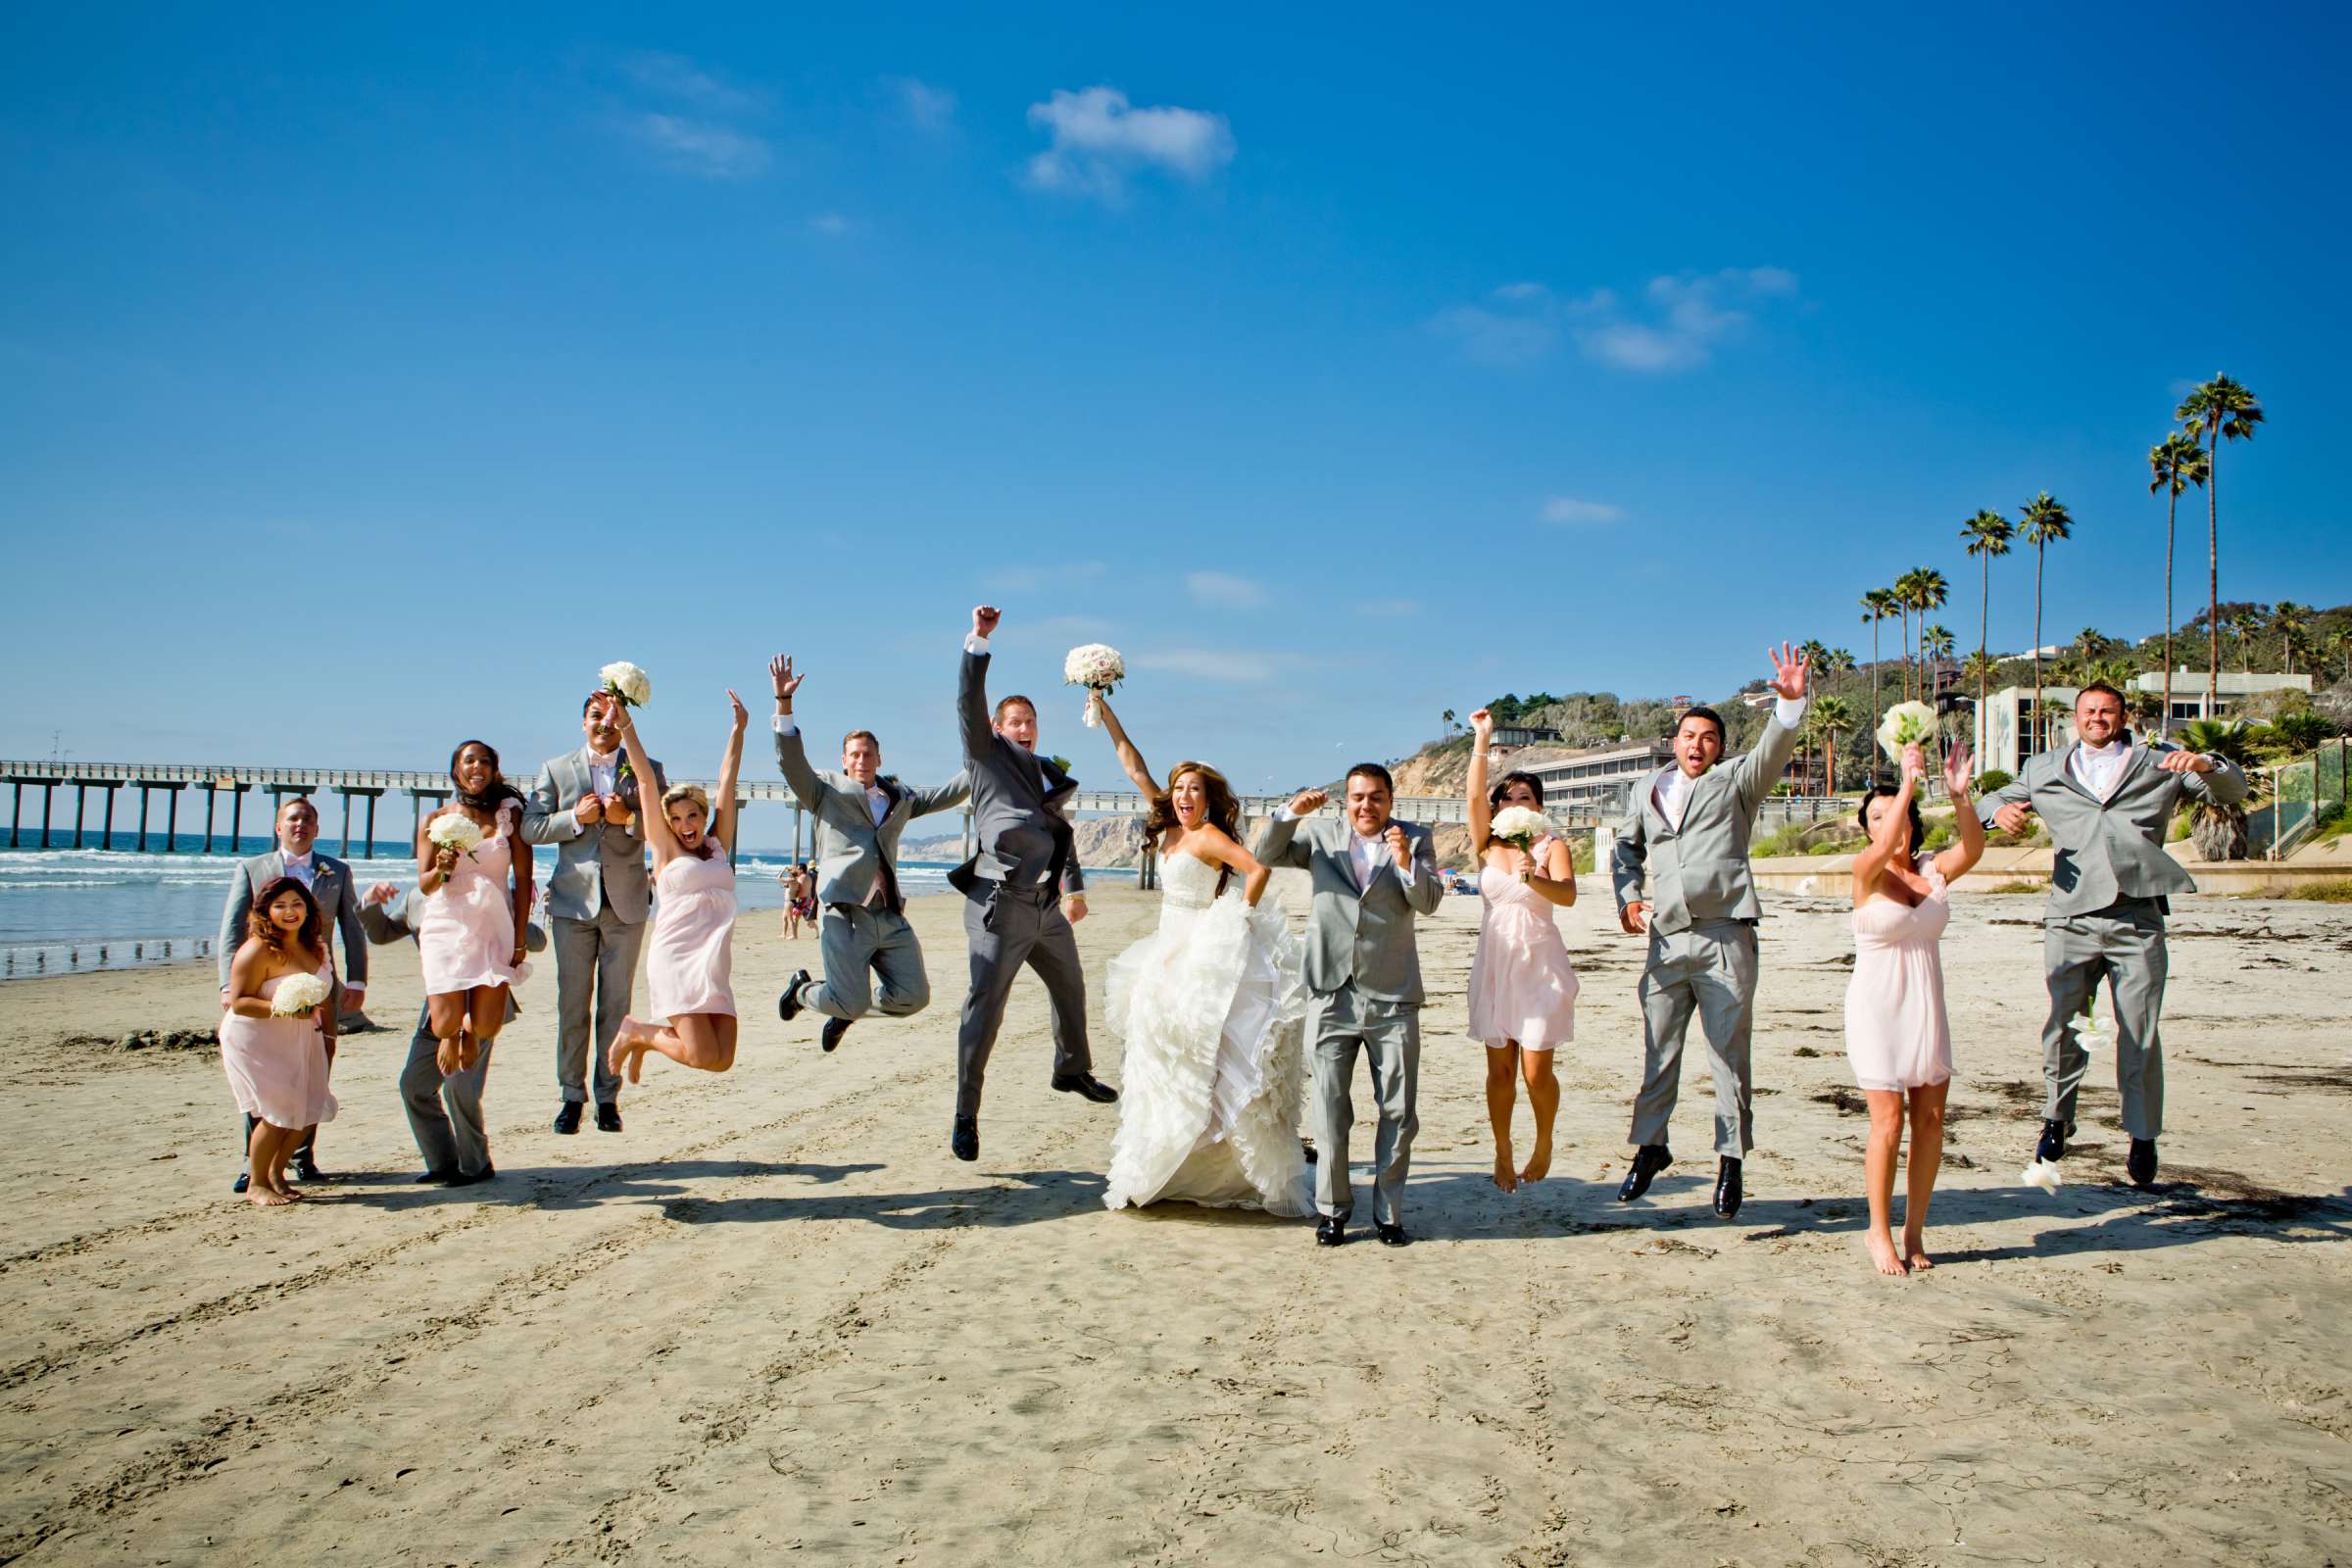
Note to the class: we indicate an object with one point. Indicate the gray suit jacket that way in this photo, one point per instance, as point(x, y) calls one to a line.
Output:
point(2113, 849)
point(1698, 870)
point(1361, 934)
point(602, 864)
point(1020, 801)
point(330, 884)
point(850, 848)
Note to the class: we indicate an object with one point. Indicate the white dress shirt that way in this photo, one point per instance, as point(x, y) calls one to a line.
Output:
point(302, 869)
point(974, 643)
point(2098, 768)
point(1367, 854)
point(1673, 794)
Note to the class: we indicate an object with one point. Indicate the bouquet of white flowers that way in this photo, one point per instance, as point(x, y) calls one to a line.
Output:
point(628, 682)
point(2043, 1174)
point(1519, 826)
point(1904, 725)
point(297, 994)
point(455, 830)
point(1097, 667)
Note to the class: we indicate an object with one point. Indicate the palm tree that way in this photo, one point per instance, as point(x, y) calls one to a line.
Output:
point(2176, 462)
point(1447, 716)
point(1902, 608)
point(1988, 535)
point(1927, 591)
point(1833, 714)
point(1841, 662)
point(2045, 521)
point(2340, 639)
point(1877, 606)
point(1935, 646)
point(2218, 831)
point(2288, 621)
point(1816, 656)
point(2216, 410)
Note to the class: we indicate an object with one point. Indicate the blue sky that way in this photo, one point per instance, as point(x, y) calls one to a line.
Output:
point(366, 381)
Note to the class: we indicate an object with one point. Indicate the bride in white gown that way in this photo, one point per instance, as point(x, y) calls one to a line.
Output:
point(1212, 1008)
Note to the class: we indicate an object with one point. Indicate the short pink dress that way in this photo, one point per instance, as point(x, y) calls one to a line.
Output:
point(690, 957)
point(1522, 986)
point(1896, 1034)
point(277, 1066)
point(466, 932)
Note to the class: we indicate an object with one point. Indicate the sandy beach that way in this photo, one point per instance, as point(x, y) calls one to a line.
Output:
point(775, 1315)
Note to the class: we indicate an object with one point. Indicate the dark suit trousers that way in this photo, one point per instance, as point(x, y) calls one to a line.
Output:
point(455, 1141)
point(1009, 928)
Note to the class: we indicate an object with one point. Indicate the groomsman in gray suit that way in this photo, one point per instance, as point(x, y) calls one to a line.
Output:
point(586, 805)
point(1371, 876)
point(455, 1142)
point(1681, 875)
point(330, 882)
point(2107, 800)
point(1022, 891)
point(860, 813)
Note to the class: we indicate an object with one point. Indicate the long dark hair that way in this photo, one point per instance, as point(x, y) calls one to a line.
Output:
point(500, 791)
point(1502, 787)
point(1224, 809)
point(261, 928)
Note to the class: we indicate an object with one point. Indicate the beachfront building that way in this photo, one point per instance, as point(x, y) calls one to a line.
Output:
point(2003, 723)
point(1602, 781)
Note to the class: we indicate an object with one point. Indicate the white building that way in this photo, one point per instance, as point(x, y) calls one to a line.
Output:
point(2001, 725)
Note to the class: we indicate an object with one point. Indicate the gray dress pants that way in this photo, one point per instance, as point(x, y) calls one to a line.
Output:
point(857, 946)
point(1709, 969)
point(1008, 928)
point(2124, 945)
point(1340, 1024)
point(455, 1141)
point(595, 970)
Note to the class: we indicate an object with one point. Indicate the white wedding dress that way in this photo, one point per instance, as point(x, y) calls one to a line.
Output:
point(1212, 1008)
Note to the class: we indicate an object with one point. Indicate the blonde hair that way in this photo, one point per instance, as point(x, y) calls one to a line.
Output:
point(687, 792)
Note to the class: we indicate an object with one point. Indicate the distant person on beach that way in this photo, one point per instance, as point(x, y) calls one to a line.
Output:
point(858, 815)
point(794, 882)
point(1212, 1007)
point(1522, 986)
point(328, 881)
point(477, 904)
point(443, 1110)
point(1371, 876)
point(1022, 891)
point(277, 1066)
point(1680, 868)
point(1898, 1039)
point(690, 957)
point(2108, 800)
point(586, 804)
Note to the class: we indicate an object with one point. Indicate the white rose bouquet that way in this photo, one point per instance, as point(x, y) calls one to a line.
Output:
point(1904, 725)
point(628, 682)
point(1519, 826)
point(1097, 667)
point(455, 830)
point(297, 995)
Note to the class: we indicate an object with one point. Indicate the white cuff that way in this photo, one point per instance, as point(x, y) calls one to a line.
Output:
point(1289, 815)
point(1790, 711)
point(974, 643)
point(782, 725)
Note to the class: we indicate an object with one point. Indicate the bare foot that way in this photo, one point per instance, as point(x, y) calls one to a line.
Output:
point(1539, 1163)
point(1881, 1253)
point(469, 1052)
point(616, 1054)
point(445, 1056)
point(264, 1198)
point(1505, 1177)
point(1914, 1252)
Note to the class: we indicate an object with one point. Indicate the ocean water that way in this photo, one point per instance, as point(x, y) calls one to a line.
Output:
point(64, 910)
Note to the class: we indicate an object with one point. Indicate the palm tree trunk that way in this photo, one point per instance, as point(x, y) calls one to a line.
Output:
point(1983, 633)
point(2163, 726)
point(2212, 578)
point(2034, 733)
point(1874, 672)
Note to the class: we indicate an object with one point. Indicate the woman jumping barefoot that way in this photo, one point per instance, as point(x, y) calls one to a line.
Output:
point(1897, 1038)
point(1522, 987)
point(277, 1064)
point(688, 958)
point(477, 904)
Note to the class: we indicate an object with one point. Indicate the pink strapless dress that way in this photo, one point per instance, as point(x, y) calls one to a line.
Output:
point(277, 1066)
point(690, 957)
point(1896, 1034)
point(1522, 986)
point(467, 933)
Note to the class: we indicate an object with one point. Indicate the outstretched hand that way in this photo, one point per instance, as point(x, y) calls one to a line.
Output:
point(781, 677)
point(1959, 769)
point(985, 619)
point(2185, 762)
point(742, 717)
point(1790, 670)
point(1306, 802)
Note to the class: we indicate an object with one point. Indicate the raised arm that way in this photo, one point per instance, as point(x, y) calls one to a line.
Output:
point(1482, 816)
point(942, 798)
point(1417, 865)
point(971, 686)
point(2009, 804)
point(648, 804)
point(1278, 841)
point(386, 913)
point(1762, 767)
point(1956, 860)
point(1875, 855)
point(730, 766)
point(2217, 778)
point(1137, 771)
point(792, 751)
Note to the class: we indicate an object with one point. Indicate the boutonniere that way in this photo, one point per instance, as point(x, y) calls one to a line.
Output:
point(625, 773)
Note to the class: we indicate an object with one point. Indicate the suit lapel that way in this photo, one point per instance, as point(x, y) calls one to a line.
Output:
point(2066, 773)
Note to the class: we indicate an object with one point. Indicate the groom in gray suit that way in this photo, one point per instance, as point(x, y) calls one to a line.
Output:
point(1681, 876)
point(586, 804)
point(860, 813)
point(1022, 891)
point(1371, 876)
point(2107, 800)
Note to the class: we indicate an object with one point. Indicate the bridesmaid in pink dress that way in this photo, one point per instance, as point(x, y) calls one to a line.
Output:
point(470, 934)
point(1897, 1038)
point(276, 1065)
point(1522, 987)
point(689, 958)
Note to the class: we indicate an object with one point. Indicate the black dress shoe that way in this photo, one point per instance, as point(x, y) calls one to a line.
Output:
point(1392, 1235)
point(1308, 1149)
point(1648, 1161)
point(244, 1180)
point(2053, 1146)
point(788, 1005)
point(568, 1116)
point(1727, 1189)
point(835, 1028)
point(2142, 1161)
point(1331, 1231)
point(964, 1140)
point(436, 1178)
point(1086, 1084)
point(607, 1115)
point(472, 1178)
point(302, 1168)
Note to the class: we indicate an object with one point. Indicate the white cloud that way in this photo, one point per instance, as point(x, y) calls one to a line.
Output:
point(1231, 666)
point(1569, 510)
point(925, 107)
point(1220, 591)
point(698, 146)
point(1100, 141)
point(667, 76)
point(1684, 317)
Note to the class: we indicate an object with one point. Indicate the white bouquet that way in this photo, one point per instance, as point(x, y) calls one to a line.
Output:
point(628, 682)
point(1097, 667)
point(297, 994)
point(1904, 725)
point(1519, 826)
point(455, 830)
point(2043, 1174)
